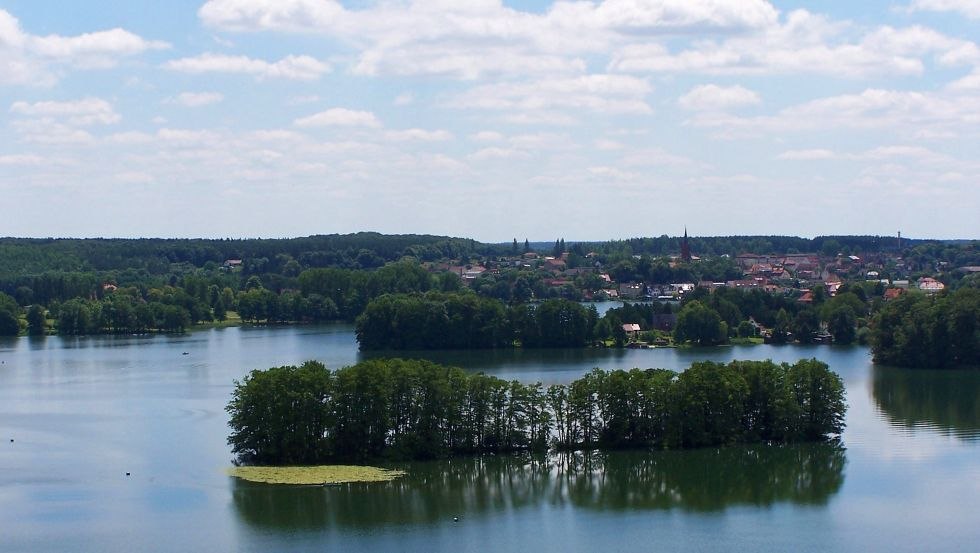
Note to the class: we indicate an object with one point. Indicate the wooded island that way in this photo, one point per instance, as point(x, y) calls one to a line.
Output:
point(413, 409)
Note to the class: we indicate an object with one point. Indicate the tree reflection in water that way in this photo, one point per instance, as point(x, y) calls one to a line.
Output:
point(433, 492)
point(944, 400)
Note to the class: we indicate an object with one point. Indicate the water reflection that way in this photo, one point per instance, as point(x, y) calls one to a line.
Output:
point(939, 400)
point(702, 480)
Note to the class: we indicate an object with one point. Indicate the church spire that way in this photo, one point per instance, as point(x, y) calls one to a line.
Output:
point(685, 247)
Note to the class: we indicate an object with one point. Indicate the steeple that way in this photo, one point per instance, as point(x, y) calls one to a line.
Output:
point(685, 247)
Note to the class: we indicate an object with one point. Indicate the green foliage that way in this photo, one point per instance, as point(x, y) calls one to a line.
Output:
point(701, 325)
point(921, 331)
point(396, 408)
point(9, 312)
point(37, 324)
point(467, 321)
point(417, 409)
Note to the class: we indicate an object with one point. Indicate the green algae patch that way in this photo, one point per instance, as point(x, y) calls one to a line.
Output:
point(324, 474)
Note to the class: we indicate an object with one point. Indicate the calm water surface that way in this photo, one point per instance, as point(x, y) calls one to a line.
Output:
point(82, 412)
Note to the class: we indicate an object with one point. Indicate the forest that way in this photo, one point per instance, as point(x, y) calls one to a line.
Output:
point(922, 331)
point(415, 409)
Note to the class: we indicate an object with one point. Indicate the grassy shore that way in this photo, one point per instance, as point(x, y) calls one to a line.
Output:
point(327, 474)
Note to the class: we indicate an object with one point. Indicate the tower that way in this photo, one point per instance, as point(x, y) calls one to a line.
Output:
point(685, 248)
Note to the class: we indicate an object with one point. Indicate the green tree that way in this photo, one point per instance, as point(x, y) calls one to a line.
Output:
point(281, 416)
point(9, 314)
point(806, 324)
point(37, 324)
point(842, 324)
point(701, 325)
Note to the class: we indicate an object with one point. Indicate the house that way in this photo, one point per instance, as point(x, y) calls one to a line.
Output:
point(631, 290)
point(632, 330)
point(931, 285)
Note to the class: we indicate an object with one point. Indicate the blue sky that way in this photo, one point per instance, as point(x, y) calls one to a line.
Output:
point(489, 119)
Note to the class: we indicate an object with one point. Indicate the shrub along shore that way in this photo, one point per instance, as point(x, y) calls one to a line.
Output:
point(414, 409)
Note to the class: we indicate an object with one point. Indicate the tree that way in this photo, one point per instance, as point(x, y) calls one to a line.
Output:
point(805, 325)
point(700, 324)
point(9, 314)
point(842, 324)
point(280, 416)
point(37, 325)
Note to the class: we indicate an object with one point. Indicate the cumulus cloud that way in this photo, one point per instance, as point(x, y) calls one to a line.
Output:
point(491, 153)
point(196, 99)
point(969, 8)
point(599, 93)
point(21, 159)
point(807, 155)
point(88, 111)
point(479, 37)
point(718, 98)
point(340, 117)
point(291, 67)
point(804, 43)
point(879, 153)
point(911, 113)
point(28, 59)
point(420, 135)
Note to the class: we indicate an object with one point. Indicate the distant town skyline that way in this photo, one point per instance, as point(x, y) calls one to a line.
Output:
point(490, 119)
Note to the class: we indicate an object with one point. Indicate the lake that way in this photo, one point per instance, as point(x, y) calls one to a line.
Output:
point(77, 414)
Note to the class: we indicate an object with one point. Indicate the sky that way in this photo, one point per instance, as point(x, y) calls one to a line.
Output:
point(489, 119)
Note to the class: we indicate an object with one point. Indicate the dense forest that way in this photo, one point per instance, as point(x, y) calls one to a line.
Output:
point(922, 331)
point(122, 286)
point(413, 409)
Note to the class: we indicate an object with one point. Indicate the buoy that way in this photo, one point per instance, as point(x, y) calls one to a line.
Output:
point(11, 440)
point(127, 474)
point(455, 519)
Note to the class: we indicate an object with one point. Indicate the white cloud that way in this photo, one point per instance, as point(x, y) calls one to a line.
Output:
point(339, 117)
point(197, 99)
point(405, 99)
point(421, 135)
point(913, 114)
point(805, 43)
point(498, 153)
point(88, 111)
point(21, 159)
point(598, 93)
point(291, 67)
point(611, 173)
point(654, 157)
point(479, 37)
point(606, 145)
point(807, 155)
point(487, 136)
point(27, 59)
point(537, 118)
point(970, 83)
point(969, 8)
point(718, 98)
point(880, 153)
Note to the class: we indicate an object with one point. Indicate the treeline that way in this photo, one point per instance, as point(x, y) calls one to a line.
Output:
point(463, 320)
point(25, 256)
point(734, 245)
point(419, 410)
point(439, 320)
point(714, 317)
point(922, 331)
